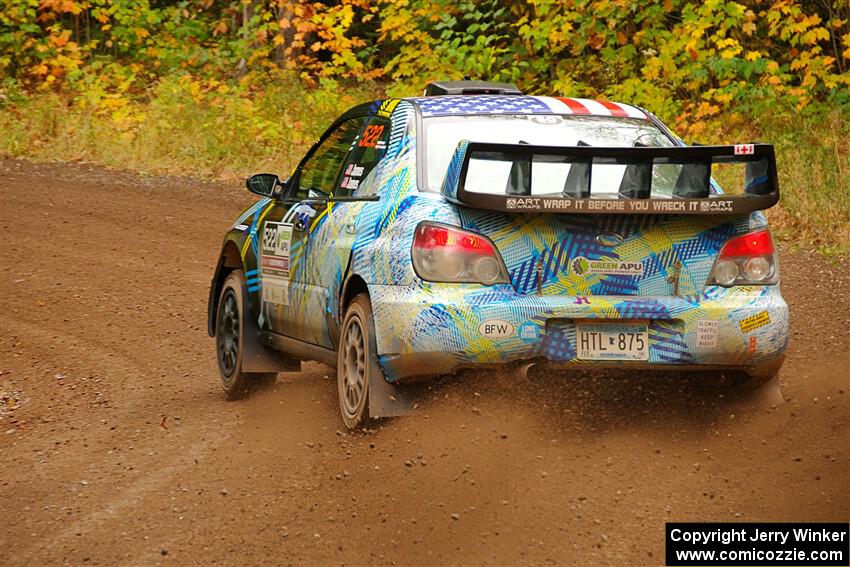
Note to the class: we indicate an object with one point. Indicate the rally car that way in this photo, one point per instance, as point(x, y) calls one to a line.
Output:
point(475, 225)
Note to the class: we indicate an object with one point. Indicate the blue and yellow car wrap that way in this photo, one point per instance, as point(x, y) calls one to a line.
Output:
point(425, 327)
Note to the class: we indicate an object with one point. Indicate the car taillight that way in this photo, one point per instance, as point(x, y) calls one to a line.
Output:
point(746, 260)
point(444, 253)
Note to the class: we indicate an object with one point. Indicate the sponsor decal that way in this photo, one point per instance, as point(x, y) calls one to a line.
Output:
point(276, 290)
point(744, 149)
point(581, 266)
point(496, 329)
point(753, 322)
point(351, 178)
point(274, 263)
point(529, 331)
point(707, 332)
point(276, 238)
point(240, 227)
point(523, 203)
point(581, 299)
point(716, 206)
point(681, 206)
point(349, 183)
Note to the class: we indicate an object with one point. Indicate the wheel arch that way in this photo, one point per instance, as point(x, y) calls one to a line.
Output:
point(229, 259)
point(353, 284)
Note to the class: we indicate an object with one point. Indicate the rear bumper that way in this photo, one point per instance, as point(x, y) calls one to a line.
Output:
point(439, 328)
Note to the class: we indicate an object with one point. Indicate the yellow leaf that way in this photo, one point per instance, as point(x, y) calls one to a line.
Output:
point(724, 98)
point(61, 39)
point(753, 55)
point(278, 39)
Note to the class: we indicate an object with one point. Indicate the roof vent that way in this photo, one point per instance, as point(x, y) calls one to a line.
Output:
point(470, 88)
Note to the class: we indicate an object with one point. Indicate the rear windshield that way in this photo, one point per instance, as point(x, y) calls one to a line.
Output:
point(442, 135)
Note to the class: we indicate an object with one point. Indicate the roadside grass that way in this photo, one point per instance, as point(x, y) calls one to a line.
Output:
point(813, 162)
point(224, 132)
point(179, 127)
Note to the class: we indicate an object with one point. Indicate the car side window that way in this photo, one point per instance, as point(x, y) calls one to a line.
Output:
point(369, 149)
point(320, 173)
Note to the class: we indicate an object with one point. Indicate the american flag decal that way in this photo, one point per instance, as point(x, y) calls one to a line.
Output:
point(500, 104)
point(484, 104)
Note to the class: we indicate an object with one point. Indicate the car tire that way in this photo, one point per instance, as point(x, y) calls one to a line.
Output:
point(229, 331)
point(356, 355)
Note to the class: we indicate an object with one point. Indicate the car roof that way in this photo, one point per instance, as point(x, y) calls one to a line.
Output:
point(466, 105)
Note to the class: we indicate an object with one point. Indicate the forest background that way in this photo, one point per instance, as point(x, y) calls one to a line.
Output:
point(220, 89)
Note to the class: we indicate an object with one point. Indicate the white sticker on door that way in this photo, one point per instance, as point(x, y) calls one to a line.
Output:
point(274, 263)
point(276, 239)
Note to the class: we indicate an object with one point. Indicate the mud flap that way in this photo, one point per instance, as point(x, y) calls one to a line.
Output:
point(256, 357)
point(764, 384)
point(386, 399)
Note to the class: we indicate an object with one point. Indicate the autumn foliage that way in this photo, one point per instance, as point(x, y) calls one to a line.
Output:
point(216, 87)
point(677, 56)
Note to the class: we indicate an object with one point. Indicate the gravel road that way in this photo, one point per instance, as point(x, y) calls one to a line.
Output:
point(118, 447)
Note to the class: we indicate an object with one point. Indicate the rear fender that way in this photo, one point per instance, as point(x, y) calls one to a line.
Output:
point(385, 399)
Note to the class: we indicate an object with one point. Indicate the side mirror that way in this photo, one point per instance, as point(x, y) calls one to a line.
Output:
point(263, 184)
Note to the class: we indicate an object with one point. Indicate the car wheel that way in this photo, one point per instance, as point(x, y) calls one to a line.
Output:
point(357, 349)
point(228, 340)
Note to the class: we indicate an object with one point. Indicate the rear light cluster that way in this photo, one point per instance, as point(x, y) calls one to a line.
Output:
point(444, 253)
point(746, 260)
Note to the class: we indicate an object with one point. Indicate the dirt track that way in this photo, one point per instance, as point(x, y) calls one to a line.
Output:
point(118, 448)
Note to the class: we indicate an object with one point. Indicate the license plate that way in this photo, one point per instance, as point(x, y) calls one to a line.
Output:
point(603, 341)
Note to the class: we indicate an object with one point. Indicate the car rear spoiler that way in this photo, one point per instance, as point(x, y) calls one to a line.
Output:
point(692, 194)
